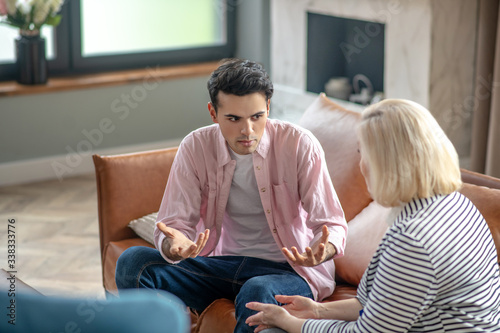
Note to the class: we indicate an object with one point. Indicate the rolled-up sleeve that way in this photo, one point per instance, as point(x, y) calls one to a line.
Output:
point(180, 206)
point(319, 198)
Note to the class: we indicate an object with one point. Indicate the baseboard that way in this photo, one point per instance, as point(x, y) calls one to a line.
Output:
point(68, 165)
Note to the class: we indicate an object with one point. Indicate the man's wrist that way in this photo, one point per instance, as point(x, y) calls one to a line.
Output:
point(331, 251)
point(165, 248)
point(334, 249)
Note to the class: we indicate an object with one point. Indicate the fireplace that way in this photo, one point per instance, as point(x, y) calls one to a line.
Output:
point(344, 56)
point(428, 55)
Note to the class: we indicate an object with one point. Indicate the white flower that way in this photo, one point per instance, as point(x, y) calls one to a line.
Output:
point(42, 10)
point(24, 7)
point(30, 14)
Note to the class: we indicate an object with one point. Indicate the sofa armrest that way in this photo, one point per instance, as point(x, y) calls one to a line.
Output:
point(484, 192)
point(129, 186)
point(479, 179)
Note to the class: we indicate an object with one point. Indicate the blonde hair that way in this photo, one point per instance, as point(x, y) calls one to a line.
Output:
point(407, 153)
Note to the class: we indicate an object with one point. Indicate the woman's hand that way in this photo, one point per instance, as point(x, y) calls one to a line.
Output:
point(300, 307)
point(271, 315)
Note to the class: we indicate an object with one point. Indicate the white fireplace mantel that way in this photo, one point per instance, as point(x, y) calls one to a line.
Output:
point(429, 52)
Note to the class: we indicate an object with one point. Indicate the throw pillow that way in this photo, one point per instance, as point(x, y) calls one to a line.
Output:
point(335, 128)
point(366, 231)
point(144, 227)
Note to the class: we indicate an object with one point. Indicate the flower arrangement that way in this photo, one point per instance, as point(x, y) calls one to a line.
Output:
point(30, 15)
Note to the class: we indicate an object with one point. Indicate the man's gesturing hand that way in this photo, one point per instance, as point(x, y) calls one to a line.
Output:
point(176, 246)
point(321, 251)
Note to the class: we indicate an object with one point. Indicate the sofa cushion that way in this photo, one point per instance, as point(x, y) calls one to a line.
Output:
point(364, 235)
point(334, 127)
point(144, 227)
point(342, 292)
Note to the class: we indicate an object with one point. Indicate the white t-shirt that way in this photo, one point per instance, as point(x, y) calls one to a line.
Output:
point(251, 235)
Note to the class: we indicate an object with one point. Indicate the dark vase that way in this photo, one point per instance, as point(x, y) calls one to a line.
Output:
point(31, 61)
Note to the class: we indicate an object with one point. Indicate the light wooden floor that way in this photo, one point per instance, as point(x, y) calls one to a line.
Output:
point(56, 234)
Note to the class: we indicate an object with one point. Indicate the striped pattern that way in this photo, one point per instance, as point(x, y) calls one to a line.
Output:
point(435, 271)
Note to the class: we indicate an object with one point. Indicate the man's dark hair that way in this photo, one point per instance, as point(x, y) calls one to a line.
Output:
point(239, 77)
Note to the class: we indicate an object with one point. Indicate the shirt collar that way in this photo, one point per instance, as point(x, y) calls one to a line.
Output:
point(409, 209)
point(265, 141)
point(223, 156)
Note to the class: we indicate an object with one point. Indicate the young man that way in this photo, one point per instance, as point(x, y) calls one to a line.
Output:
point(244, 197)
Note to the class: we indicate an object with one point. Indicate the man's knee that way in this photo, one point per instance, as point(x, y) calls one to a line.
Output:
point(130, 263)
point(257, 289)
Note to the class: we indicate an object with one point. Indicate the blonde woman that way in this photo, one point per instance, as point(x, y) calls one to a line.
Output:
point(436, 268)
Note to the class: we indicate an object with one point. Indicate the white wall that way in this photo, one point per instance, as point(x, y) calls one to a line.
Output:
point(45, 135)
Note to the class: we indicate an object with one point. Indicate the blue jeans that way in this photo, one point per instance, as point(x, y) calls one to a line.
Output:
point(201, 280)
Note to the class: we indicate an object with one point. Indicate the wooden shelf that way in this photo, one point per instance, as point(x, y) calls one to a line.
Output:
point(12, 88)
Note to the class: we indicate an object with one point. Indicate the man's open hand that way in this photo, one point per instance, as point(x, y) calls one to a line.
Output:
point(177, 246)
point(321, 251)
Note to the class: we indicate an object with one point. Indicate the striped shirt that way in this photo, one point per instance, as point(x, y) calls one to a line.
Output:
point(435, 270)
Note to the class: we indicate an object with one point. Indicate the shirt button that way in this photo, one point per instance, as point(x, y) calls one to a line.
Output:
point(268, 211)
point(263, 189)
point(258, 167)
point(274, 230)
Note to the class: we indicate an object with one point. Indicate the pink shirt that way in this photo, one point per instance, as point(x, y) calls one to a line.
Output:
point(294, 185)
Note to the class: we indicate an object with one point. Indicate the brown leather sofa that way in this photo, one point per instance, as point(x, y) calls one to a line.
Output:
point(131, 186)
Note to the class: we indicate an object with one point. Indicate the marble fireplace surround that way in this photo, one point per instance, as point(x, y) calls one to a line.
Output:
point(429, 55)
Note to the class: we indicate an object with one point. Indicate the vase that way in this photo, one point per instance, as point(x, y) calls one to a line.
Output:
point(31, 60)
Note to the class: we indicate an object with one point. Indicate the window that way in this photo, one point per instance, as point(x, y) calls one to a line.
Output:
point(96, 35)
point(8, 36)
